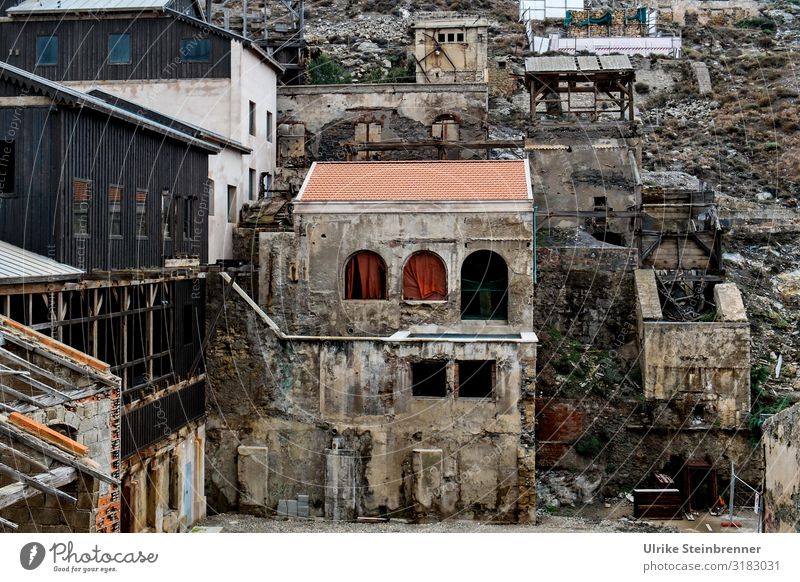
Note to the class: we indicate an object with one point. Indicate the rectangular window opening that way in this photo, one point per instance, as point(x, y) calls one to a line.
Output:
point(252, 118)
point(475, 378)
point(119, 49)
point(8, 164)
point(187, 218)
point(211, 200)
point(460, 37)
point(451, 37)
point(81, 200)
point(269, 126)
point(231, 203)
point(196, 50)
point(141, 213)
point(166, 213)
point(251, 184)
point(46, 50)
point(429, 379)
point(266, 184)
point(115, 211)
point(441, 37)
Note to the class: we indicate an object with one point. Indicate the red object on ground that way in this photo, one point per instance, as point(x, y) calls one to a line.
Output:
point(731, 524)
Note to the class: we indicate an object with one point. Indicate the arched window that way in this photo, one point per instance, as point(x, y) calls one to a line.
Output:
point(484, 286)
point(424, 277)
point(365, 276)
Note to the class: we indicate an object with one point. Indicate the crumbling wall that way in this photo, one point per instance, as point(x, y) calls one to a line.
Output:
point(699, 371)
point(782, 474)
point(300, 399)
point(573, 172)
point(306, 287)
point(705, 12)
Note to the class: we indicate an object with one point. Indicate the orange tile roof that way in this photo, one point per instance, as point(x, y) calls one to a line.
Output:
point(457, 180)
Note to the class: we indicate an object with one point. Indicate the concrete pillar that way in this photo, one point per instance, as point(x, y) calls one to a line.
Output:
point(341, 472)
point(253, 474)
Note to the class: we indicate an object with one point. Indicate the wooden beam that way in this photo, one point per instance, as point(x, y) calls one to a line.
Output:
point(25, 457)
point(16, 492)
point(48, 434)
point(19, 361)
point(36, 483)
point(33, 383)
point(55, 453)
point(20, 396)
point(8, 524)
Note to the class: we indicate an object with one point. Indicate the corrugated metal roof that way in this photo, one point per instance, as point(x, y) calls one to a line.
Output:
point(576, 64)
point(20, 266)
point(63, 93)
point(56, 6)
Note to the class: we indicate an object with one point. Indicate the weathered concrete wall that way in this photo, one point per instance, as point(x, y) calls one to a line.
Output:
point(306, 288)
point(576, 172)
point(406, 112)
point(701, 369)
point(294, 397)
point(782, 475)
point(165, 485)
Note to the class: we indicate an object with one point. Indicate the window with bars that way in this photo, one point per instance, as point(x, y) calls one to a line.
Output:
point(115, 210)
point(141, 213)
point(81, 202)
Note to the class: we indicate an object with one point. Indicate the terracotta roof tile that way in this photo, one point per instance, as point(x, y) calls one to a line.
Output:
point(467, 180)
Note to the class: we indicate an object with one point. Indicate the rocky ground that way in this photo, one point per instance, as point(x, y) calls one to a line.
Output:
point(240, 523)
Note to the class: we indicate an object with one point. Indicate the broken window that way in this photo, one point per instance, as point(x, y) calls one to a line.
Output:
point(115, 210)
point(484, 286)
point(8, 162)
point(424, 277)
point(445, 127)
point(81, 199)
point(429, 379)
point(252, 118)
point(141, 213)
point(365, 276)
point(475, 378)
point(460, 37)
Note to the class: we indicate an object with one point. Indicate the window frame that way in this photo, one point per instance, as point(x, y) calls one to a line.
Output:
point(385, 272)
point(40, 51)
point(167, 215)
point(87, 234)
point(252, 109)
point(443, 367)
point(446, 278)
point(114, 45)
point(270, 122)
point(232, 204)
point(185, 55)
point(502, 302)
point(115, 217)
point(141, 217)
point(479, 364)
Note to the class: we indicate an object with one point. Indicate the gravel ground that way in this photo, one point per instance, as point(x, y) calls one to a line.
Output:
point(240, 523)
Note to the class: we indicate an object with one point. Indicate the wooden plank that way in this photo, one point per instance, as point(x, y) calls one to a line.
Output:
point(24, 456)
point(55, 453)
point(8, 524)
point(16, 492)
point(18, 361)
point(35, 483)
point(44, 432)
point(20, 396)
point(33, 383)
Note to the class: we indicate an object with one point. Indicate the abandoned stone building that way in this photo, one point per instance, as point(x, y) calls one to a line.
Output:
point(59, 436)
point(412, 395)
point(782, 472)
point(451, 49)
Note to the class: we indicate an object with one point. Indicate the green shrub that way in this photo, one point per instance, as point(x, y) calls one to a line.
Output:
point(589, 445)
point(323, 70)
point(759, 22)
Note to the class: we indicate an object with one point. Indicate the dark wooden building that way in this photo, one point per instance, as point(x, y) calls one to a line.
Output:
point(103, 227)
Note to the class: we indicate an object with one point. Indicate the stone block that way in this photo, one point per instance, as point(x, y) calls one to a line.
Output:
point(253, 474)
point(728, 300)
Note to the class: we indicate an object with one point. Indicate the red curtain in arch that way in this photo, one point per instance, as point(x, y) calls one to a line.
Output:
point(365, 277)
point(424, 278)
